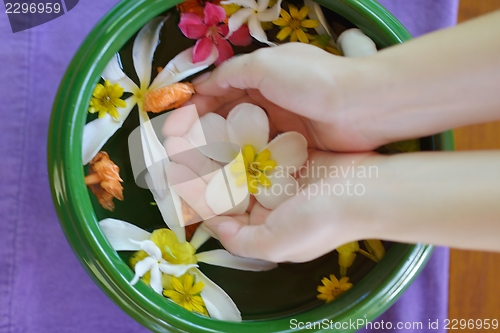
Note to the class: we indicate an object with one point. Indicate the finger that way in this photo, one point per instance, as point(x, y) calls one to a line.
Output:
point(220, 104)
point(190, 187)
point(180, 121)
point(183, 152)
point(251, 241)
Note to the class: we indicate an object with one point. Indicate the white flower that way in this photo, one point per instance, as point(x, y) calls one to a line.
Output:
point(156, 265)
point(253, 12)
point(97, 132)
point(262, 168)
point(124, 236)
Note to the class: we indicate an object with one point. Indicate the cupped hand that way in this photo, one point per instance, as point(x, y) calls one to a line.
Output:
point(301, 87)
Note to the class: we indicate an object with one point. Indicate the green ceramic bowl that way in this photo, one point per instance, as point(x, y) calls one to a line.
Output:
point(376, 286)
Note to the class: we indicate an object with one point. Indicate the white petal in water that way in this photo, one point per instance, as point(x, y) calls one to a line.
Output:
point(289, 150)
point(247, 124)
point(142, 267)
point(119, 233)
point(144, 48)
point(219, 304)
point(225, 259)
point(175, 270)
point(114, 74)
point(199, 238)
point(97, 132)
point(181, 67)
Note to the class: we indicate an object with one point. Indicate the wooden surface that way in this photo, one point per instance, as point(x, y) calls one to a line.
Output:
point(475, 276)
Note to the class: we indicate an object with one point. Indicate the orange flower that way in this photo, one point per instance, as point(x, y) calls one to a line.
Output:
point(104, 180)
point(169, 97)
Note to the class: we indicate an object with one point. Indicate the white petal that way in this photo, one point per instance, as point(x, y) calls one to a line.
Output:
point(181, 151)
point(175, 270)
point(142, 267)
point(209, 134)
point(119, 233)
point(217, 194)
point(283, 186)
point(114, 74)
point(199, 238)
point(256, 30)
point(247, 124)
point(149, 247)
point(144, 48)
point(156, 159)
point(181, 67)
point(191, 188)
point(262, 5)
point(219, 304)
point(241, 207)
point(289, 150)
point(243, 3)
point(225, 259)
point(316, 13)
point(270, 14)
point(168, 206)
point(155, 280)
point(223, 194)
point(354, 43)
point(236, 20)
point(97, 132)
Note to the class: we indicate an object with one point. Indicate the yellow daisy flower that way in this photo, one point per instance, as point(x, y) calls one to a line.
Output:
point(252, 168)
point(186, 293)
point(106, 98)
point(333, 288)
point(294, 24)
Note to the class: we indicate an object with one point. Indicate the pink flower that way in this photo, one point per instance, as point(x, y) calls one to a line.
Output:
point(212, 30)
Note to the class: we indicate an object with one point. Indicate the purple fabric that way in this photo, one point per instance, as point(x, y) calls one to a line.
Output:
point(43, 288)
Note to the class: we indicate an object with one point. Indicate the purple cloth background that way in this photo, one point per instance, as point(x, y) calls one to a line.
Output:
point(43, 288)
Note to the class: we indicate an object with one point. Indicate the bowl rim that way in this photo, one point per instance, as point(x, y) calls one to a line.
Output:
point(80, 225)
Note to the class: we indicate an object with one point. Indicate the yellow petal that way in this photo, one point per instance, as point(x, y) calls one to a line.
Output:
point(188, 282)
point(309, 23)
point(281, 22)
point(237, 167)
point(120, 103)
point(99, 91)
point(293, 36)
point(253, 185)
point(242, 179)
point(302, 36)
point(303, 12)
point(284, 33)
point(267, 165)
point(249, 153)
point(293, 11)
point(177, 285)
point(284, 14)
point(264, 180)
point(263, 155)
point(197, 288)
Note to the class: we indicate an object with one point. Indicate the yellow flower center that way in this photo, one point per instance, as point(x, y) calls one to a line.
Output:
point(106, 98)
point(251, 168)
point(294, 24)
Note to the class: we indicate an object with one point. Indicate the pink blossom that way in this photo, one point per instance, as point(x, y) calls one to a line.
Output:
point(212, 30)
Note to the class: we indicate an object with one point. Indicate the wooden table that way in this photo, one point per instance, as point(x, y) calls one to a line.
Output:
point(474, 275)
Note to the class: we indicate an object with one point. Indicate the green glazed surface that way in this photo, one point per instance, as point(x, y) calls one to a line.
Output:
point(372, 294)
